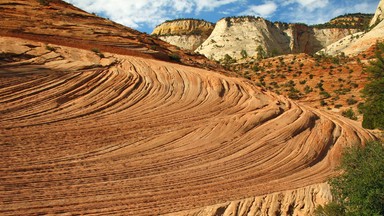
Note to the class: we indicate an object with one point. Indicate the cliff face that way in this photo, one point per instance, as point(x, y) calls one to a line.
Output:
point(245, 35)
point(300, 202)
point(187, 42)
point(379, 15)
point(187, 34)
point(233, 35)
point(360, 42)
point(357, 43)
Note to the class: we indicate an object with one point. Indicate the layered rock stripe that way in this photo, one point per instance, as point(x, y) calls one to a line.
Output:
point(134, 136)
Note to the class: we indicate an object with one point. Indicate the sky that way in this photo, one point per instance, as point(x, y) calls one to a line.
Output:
point(144, 15)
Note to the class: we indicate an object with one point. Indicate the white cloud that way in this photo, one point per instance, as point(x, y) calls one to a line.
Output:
point(309, 5)
point(210, 5)
point(146, 14)
point(264, 10)
point(141, 13)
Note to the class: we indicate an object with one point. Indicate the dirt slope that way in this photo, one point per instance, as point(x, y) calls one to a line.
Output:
point(124, 135)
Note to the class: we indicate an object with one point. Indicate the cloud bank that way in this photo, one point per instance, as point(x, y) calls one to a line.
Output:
point(146, 14)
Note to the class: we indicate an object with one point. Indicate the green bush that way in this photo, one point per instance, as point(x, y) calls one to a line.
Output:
point(359, 190)
point(349, 113)
point(244, 53)
point(331, 209)
point(373, 112)
point(175, 57)
point(351, 101)
point(97, 52)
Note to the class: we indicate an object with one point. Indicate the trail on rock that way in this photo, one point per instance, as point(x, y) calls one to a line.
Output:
point(145, 137)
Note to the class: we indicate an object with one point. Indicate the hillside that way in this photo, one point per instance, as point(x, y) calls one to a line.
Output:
point(187, 34)
point(360, 42)
point(332, 83)
point(245, 36)
point(63, 24)
point(349, 21)
point(94, 121)
point(152, 137)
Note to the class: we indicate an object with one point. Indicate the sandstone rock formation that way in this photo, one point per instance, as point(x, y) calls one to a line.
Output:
point(125, 135)
point(299, 202)
point(359, 42)
point(60, 22)
point(379, 14)
point(186, 33)
point(233, 35)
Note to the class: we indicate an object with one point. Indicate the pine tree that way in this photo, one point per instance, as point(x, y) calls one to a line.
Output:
point(373, 92)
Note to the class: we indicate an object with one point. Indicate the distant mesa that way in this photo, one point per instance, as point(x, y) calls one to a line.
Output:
point(184, 33)
point(244, 36)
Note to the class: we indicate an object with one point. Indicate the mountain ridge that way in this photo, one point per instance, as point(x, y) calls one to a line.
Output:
point(299, 37)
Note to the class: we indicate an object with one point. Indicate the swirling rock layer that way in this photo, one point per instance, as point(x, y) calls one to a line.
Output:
point(131, 136)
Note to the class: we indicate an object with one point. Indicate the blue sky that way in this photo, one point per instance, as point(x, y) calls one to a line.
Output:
point(144, 15)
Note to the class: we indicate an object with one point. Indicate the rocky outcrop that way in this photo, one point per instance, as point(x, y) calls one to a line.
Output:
point(357, 43)
point(195, 138)
point(187, 42)
point(186, 33)
point(362, 41)
point(246, 36)
point(379, 15)
point(299, 202)
point(232, 36)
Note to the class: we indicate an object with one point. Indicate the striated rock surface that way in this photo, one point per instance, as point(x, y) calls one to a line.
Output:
point(233, 36)
point(82, 134)
point(298, 202)
point(379, 14)
point(186, 33)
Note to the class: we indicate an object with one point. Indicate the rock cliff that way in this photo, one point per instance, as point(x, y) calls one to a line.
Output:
point(249, 36)
point(379, 15)
point(359, 42)
point(185, 33)
point(299, 202)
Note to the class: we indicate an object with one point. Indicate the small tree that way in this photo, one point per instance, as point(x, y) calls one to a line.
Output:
point(244, 53)
point(359, 190)
point(373, 112)
point(261, 54)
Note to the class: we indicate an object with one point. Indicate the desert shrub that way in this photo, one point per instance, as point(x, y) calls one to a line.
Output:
point(244, 53)
point(97, 52)
point(261, 54)
point(337, 106)
point(49, 48)
point(323, 103)
point(325, 94)
point(349, 113)
point(308, 89)
point(175, 57)
point(351, 101)
point(227, 60)
point(294, 94)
